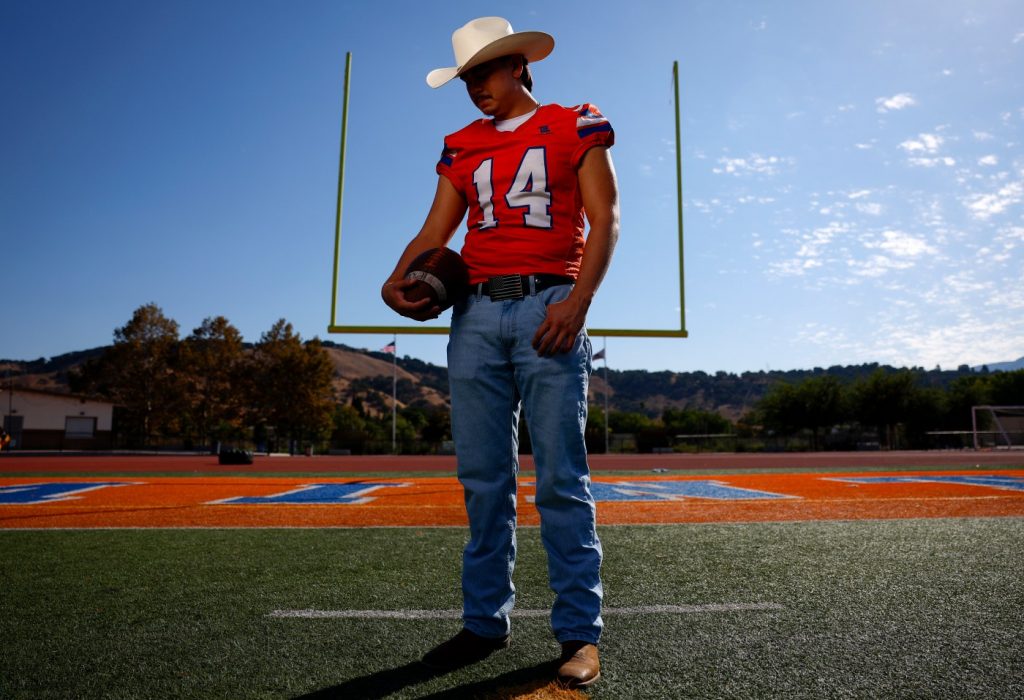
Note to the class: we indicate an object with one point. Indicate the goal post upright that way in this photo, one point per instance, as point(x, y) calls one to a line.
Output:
point(335, 327)
point(679, 197)
point(341, 188)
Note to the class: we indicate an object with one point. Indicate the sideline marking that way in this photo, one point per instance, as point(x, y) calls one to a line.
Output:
point(432, 614)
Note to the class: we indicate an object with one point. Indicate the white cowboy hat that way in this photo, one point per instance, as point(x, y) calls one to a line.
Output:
point(480, 40)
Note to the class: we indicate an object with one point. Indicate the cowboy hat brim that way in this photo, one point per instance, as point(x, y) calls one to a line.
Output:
point(535, 46)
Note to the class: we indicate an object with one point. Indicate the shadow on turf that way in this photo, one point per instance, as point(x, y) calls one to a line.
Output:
point(384, 683)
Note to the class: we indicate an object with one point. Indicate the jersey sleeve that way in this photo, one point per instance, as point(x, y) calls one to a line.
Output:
point(592, 129)
point(446, 164)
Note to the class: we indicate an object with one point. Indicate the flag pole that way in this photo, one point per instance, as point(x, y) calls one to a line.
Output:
point(394, 394)
point(604, 351)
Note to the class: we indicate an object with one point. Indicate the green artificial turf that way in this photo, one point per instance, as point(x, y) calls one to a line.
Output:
point(911, 608)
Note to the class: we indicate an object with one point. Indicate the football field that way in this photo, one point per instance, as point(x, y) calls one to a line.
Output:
point(306, 577)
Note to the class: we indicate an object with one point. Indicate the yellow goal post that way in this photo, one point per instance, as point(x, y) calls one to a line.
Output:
point(335, 327)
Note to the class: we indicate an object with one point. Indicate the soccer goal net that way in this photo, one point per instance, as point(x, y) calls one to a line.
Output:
point(998, 426)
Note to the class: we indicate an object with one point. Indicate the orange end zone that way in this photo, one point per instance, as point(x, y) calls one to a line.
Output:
point(207, 502)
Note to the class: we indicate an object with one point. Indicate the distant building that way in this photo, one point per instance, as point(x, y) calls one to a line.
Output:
point(45, 420)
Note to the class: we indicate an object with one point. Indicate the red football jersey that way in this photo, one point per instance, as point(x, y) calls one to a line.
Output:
point(525, 210)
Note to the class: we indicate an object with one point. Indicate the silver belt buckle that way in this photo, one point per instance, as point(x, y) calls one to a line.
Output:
point(506, 287)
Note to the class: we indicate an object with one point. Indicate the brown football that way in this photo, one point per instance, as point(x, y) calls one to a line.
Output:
point(440, 274)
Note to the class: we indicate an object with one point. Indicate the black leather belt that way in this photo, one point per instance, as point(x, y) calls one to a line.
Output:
point(518, 286)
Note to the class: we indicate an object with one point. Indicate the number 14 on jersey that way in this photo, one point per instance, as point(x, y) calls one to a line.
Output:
point(529, 190)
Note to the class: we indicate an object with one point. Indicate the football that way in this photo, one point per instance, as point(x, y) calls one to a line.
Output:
point(440, 275)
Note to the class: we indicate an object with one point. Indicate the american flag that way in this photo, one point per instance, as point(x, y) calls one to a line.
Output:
point(389, 348)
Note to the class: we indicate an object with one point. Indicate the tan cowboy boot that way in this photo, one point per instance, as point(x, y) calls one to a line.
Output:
point(580, 664)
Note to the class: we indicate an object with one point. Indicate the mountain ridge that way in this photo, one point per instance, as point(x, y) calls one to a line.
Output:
point(367, 376)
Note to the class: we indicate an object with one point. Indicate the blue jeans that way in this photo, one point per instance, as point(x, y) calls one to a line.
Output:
point(493, 369)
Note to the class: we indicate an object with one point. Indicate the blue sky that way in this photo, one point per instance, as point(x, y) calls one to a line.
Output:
point(853, 171)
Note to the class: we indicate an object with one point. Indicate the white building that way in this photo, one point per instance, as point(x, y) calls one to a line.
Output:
point(44, 420)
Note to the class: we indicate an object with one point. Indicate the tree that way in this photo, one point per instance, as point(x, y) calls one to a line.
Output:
point(292, 385)
point(628, 422)
point(216, 371)
point(824, 405)
point(357, 432)
point(139, 373)
point(595, 431)
point(884, 400)
point(927, 409)
point(965, 392)
point(438, 427)
point(694, 422)
point(781, 409)
point(1007, 388)
point(815, 404)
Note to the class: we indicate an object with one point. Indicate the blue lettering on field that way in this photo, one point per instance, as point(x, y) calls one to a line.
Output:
point(34, 494)
point(674, 491)
point(317, 494)
point(993, 481)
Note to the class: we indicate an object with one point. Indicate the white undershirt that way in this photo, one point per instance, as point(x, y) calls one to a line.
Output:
point(513, 123)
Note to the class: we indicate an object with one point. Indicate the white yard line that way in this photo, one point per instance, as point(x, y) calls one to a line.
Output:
point(313, 614)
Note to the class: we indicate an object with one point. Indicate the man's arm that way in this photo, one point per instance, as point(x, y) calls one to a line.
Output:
point(600, 194)
point(445, 215)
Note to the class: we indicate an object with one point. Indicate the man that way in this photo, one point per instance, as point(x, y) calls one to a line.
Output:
point(525, 176)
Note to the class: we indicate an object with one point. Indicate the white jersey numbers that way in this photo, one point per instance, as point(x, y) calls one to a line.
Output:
point(529, 190)
point(485, 193)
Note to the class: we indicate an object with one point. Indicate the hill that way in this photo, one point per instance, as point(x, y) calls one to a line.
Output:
point(1004, 366)
point(366, 377)
point(358, 374)
point(46, 374)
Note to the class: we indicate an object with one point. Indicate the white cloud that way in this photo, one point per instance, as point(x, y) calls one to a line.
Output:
point(1019, 38)
point(793, 268)
point(1011, 235)
point(864, 146)
point(962, 282)
point(896, 102)
point(858, 194)
point(811, 251)
point(982, 136)
point(877, 265)
point(902, 245)
point(926, 143)
point(962, 339)
point(932, 162)
point(983, 206)
point(710, 206)
point(754, 164)
point(989, 160)
point(872, 208)
point(815, 242)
